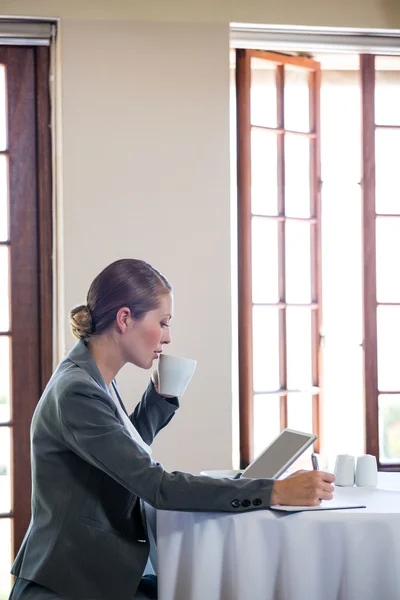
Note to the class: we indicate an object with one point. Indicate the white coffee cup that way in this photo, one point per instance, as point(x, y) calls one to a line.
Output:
point(344, 470)
point(366, 471)
point(174, 374)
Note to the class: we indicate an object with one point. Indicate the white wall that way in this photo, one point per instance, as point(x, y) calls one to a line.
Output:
point(145, 127)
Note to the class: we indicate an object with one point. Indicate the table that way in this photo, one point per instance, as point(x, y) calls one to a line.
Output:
point(264, 555)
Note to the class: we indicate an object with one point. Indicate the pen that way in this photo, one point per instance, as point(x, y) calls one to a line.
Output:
point(314, 460)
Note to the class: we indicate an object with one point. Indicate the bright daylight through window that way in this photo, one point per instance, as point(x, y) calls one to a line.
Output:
point(286, 265)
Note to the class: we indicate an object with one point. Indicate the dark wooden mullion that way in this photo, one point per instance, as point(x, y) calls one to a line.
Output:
point(284, 59)
point(281, 131)
point(246, 408)
point(316, 267)
point(45, 225)
point(388, 215)
point(393, 127)
point(281, 217)
point(311, 305)
point(25, 343)
point(282, 392)
point(280, 91)
point(388, 304)
point(367, 72)
point(389, 468)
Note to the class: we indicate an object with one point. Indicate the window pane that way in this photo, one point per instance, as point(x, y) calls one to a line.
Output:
point(389, 428)
point(4, 379)
point(266, 348)
point(300, 412)
point(4, 234)
point(299, 356)
point(387, 147)
point(340, 112)
point(297, 176)
point(263, 93)
point(387, 253)
point(264, 174)
point(342, 265)
point(297, 99)
point(266, 420)
point(298, 262)
point(343, 395)
point(265, 260)
point(4, 289)
point(388, 345)
point(387, 90)
point(387, 259)
point(5, 470)
point(5, 558)
point(3, 109)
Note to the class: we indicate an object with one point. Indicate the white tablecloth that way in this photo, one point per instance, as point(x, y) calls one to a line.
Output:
point(264, 555)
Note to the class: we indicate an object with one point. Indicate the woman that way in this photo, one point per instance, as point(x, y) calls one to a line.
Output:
point(91, 462)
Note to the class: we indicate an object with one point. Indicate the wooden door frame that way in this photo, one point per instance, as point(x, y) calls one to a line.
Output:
point(30, 242)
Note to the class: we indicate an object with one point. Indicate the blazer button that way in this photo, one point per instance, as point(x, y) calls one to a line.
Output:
point(235, 503)
point(246, 503)
point(257, 501)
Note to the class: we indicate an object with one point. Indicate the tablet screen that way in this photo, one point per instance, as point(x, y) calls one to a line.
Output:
point(277, 457)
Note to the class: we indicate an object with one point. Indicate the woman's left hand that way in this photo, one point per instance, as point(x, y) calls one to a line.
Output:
point(154, 379)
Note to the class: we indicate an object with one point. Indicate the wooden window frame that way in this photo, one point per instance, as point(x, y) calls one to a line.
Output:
point(245, 303)
point(30, 241)
point(369, 215)
point(368, 185)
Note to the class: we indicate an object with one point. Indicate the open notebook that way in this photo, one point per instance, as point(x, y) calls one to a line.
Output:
point(325, 505)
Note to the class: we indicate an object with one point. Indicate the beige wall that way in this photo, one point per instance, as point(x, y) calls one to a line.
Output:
point(145, 127)
point(344, 13)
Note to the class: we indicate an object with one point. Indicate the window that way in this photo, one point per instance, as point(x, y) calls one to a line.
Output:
point(381, 223)
point(25, 279)
point(279, 246)
point(283, 235)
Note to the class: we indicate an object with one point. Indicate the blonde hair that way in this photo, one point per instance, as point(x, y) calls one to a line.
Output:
point(81, 322)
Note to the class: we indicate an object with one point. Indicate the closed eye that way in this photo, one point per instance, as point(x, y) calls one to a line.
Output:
point(164, 325)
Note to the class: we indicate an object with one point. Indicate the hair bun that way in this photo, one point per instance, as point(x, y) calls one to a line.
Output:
point(81, 322)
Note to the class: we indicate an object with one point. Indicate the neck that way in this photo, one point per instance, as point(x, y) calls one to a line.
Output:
point(108, 359)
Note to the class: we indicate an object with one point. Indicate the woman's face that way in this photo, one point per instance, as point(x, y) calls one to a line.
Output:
point(144, 339)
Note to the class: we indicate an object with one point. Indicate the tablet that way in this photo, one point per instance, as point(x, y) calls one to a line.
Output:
point(280, 454)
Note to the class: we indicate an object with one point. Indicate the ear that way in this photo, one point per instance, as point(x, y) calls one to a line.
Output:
point(124, 319)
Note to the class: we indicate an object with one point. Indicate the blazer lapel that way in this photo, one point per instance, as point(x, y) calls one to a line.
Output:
point(114, 386)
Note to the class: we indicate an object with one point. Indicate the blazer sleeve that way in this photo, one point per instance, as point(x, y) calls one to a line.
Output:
point(92, 430)
point(153, 413)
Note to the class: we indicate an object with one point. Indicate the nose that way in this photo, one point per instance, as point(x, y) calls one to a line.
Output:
point(166, 338)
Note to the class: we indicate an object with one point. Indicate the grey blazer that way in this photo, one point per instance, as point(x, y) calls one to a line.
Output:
point(87, 539)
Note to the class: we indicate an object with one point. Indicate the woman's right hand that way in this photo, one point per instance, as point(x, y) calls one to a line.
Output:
point(305, 488)
point(154, 379)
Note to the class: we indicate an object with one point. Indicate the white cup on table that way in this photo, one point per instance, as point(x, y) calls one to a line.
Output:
point(366, 471)
point(345, 470)
point(174, 374)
